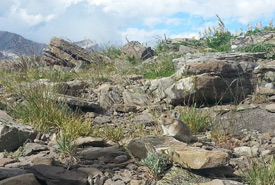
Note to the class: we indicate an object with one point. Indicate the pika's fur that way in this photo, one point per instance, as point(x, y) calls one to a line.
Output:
point(172, 126)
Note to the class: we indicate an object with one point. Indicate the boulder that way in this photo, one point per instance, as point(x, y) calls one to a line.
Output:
point(199, 78)
point(13, 135)
point(65, 53)
point(135, 95)
point(53, 175)
point(25, 179)
point(110, 95)
point(136, 50)
point(179, 152)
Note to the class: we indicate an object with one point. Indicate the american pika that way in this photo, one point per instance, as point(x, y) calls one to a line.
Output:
point(172, 126)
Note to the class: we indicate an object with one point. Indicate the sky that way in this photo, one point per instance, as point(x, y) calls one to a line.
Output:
point(112, 21)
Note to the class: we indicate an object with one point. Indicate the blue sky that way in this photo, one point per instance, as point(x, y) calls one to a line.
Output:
point(110, 21)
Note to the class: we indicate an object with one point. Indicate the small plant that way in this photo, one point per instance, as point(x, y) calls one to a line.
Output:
point(158, 163)
point(260, 171)
point(65, 145)
point(219, 38)
point(195, 119)
point(17, 153)
point(111, 132)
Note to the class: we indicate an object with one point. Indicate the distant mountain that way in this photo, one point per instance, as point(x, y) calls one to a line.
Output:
point(89, 45)
point(13, 45)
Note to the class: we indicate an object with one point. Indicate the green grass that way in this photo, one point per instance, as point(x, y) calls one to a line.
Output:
point(260, 172)
point(219, 41)
point(195, 119)
point(163, 68)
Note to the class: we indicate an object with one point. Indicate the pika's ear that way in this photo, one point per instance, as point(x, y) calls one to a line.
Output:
point(175, 115)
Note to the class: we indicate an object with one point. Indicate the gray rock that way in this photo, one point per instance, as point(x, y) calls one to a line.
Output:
point(67, 54)
point(32, 148)
point(246, 151)
point(136, 50)
point(53, 175)
point(102, 119)
point(179, 152)
point(270, 107)
point(110, 95)
point(90, 141)
point(13, 135)
point(135, 96)
point(25, 179)
point(10, 172)
point(104, 153)
point(5, 116)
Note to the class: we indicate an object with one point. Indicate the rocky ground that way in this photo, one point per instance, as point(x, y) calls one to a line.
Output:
point(236, 89)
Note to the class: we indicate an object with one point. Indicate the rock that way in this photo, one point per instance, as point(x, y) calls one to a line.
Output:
point(135, 50)
point(90, 171)
point(121, 159)
point(102, 119)
point(246, 151)
point(67, 54)
point(5, 161)
point(179, 152)
point(222, 182)
point(105, 153)
point(5, 116)
point(43, 160)
point(53, 175)
point(90, 141)
point(10, 172)
point(136, 95)
point(33, 148)
point(258, 38)
point(186, 49)
point(110, 95)
point(124, 108)
point(25, 179)
point(74, 87)
point(270, 107)
point(273, 140)
point(76, 101)
point(176, 176)
point(13, 135)
point(145, 118)
point(199, 76)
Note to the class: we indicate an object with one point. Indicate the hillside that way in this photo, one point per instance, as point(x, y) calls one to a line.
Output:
point(12, 45)
point(197, 112)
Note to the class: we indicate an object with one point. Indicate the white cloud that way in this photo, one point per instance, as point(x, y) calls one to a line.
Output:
point(111, 20)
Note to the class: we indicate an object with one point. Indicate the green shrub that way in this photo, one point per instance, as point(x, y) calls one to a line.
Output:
point(158, 163)
point(220, 41)
point(269, 49)
point(195, 119)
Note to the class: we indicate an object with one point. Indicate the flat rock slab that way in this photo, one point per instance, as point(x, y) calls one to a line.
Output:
point(53, 175)
point(76, 101)
point(25, 179)
point(179, 152)
point(90, 141)
point(270, 108)
point(11, 172)
point(32, 148)
point(5, 161)
point(105, 153)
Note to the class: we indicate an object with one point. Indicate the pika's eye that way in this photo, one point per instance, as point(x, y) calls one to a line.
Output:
point(165, 116)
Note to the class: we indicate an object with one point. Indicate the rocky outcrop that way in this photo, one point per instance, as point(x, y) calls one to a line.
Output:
point(258, 38)
point(222, 77)
point(136, 50)
point(179, 152)
point(61, 52)
point(13, 135)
